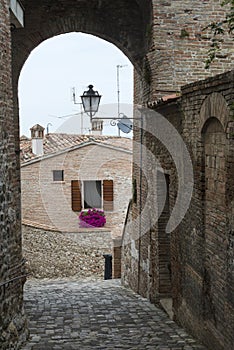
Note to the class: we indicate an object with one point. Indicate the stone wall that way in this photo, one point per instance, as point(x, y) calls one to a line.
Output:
point(12, 275)
point(100, 238)
point(201, 247)
point(55, 255)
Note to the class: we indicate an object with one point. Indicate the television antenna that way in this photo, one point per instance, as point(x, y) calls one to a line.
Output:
point(64, 116)
point(47, 127)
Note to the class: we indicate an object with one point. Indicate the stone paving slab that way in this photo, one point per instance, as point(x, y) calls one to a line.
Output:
point(68, 314)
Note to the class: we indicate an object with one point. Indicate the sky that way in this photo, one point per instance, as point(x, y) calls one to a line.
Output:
point(66, 61)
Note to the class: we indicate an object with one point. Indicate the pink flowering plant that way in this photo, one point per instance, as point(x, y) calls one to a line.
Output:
point(92, 218)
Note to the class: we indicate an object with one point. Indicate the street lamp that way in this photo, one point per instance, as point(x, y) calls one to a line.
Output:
point(90, 101)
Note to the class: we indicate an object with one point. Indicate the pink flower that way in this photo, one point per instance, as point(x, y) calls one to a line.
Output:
point(92, 218)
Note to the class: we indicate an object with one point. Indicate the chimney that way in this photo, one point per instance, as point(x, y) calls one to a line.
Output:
point(97, 126)
point(37, 136)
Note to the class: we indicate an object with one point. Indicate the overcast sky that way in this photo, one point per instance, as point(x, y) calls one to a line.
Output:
point(66, 61)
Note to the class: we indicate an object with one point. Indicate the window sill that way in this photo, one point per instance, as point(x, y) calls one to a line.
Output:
point(94, 229)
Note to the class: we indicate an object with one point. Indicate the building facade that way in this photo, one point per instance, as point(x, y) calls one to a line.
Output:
point(74, 173)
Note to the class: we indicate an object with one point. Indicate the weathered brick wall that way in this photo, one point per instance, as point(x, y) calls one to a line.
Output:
point(201, 247)
point(12, 320)
point(129, 253)
point(152, 257)
point(179, 47)
point(206, 234)
point(123, 23)
point(40, 192)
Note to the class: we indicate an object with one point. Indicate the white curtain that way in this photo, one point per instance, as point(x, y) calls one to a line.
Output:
point(92, 194)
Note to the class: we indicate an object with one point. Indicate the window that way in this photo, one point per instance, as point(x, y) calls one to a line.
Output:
point(58, 175)
point(92, 194)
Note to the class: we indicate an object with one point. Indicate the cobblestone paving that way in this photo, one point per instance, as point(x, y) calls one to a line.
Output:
point(68, 314)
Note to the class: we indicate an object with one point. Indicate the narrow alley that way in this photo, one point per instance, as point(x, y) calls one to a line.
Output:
point(69, 314)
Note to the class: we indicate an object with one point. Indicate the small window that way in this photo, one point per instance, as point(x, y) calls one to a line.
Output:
point(58, 175)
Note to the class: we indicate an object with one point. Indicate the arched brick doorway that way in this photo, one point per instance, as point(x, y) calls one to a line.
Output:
point(214, 165)
point(214, 116)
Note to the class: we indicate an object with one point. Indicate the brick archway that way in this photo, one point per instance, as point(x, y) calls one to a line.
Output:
point(214, 167)
point(126, 24)
point(216, 106)
point(123, 23)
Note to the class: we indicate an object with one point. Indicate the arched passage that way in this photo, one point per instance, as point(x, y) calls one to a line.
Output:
point(123, 23)
point(70, 60)
point(126, 24)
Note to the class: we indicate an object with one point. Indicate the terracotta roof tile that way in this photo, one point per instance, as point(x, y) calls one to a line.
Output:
point(164, 99)
point(53, 143)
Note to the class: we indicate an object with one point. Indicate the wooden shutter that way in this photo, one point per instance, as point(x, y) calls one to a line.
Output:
point(108, 195)
point(76, 195)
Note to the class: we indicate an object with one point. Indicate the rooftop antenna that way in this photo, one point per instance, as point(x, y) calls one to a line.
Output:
point(47, 127)
point(73, 94)
point(73, 91)
point(118, 90)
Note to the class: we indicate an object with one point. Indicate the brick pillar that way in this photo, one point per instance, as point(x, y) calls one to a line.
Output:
point(12, 319)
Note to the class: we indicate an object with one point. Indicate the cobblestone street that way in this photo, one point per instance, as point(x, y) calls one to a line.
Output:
point(69, 314)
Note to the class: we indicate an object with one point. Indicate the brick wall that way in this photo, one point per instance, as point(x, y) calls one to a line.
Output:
point(208, 227)
point(179, 47)
point(12, 320)
point(40, 192)
point(201, 247)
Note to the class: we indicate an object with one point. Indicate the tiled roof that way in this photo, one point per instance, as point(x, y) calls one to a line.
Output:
point(53, 143)
point(164, 99)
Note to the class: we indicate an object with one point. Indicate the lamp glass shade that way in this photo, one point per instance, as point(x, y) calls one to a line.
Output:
point(90, 101)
